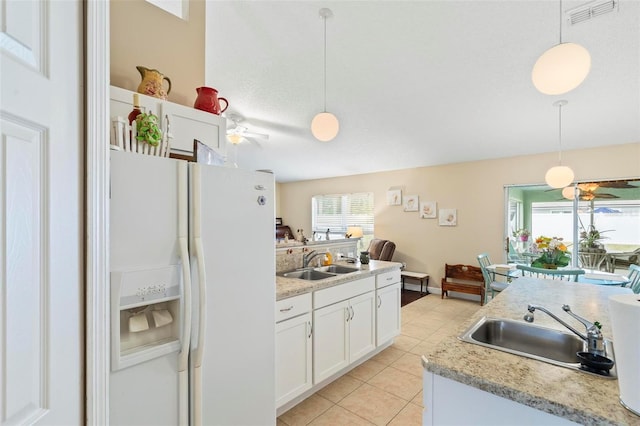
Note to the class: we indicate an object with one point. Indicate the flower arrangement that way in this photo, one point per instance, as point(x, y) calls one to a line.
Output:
point(553, 253)
point(522, 234)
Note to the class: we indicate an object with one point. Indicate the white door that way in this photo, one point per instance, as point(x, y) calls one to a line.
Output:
point(362, 337)
point(293, 358)
point(388, 317)
point(330, 340)
point(41, 225)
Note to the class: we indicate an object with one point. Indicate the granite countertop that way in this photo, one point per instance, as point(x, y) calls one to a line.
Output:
point(288, 287)
point(577, 396)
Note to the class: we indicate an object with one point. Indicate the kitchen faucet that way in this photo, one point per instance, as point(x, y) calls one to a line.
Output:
point(308, 257)
point(594, 339)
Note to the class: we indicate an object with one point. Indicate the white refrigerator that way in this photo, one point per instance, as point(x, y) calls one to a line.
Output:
point(192, 265)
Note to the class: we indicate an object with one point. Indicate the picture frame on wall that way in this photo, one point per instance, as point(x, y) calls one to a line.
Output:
point(411, 203)
point(448, 217)
point(394, 197)
point(428, 210)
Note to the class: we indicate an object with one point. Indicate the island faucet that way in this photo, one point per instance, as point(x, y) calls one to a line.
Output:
point(594, 339)
point(308, 257)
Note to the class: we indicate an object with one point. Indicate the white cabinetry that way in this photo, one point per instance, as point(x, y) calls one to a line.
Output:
point(293, 347)
point(185, 123)
point(388, 306)
point(344, 326)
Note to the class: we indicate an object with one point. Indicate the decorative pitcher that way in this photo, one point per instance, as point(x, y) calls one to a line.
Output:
point(151, 83)
point(209, 101)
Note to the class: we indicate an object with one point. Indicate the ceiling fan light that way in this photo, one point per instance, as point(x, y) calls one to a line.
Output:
point(570, 192)
point(559, 176)
point(561, 68)
point(325, 126)
point(234, 138)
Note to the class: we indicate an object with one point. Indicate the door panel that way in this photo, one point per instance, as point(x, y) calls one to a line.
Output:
point(41, 227)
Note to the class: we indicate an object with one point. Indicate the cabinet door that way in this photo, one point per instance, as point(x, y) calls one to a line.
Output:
point(187, 124)
point(362, 339)
point(330, 340)
point(293, 358)
point(388, 313)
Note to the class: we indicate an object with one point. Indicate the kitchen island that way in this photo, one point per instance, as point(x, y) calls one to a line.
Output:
point(502, 388)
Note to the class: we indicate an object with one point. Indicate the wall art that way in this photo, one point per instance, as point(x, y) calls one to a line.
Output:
point(394, 197)
point(428, 210)
point(411, 203)
point(448, 217)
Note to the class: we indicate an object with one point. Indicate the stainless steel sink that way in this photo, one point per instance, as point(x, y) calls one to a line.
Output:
point(532, 341)
point(308, 274)
point(337, 269)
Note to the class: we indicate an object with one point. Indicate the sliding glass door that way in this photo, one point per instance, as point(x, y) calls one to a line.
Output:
point(601, 227)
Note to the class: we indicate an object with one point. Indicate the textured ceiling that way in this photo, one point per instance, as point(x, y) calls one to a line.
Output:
point(416, 83)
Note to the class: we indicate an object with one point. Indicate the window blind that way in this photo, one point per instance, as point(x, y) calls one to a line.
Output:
point(337, 212)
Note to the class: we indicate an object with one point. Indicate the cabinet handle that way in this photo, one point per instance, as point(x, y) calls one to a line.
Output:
point(352, 313)
point(379, 301)
point(346, 310)
point(389, 278)
point(286, 309)
point(310, 329)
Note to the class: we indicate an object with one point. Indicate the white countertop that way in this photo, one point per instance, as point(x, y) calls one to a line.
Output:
point(577, 396)
point(288, 287)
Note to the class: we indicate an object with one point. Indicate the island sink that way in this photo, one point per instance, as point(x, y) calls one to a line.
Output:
point(544, 344)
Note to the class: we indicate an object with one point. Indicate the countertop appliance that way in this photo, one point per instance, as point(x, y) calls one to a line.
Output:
point(192, 293)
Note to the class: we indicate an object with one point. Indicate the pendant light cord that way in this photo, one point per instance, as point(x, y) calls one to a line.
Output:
point(560, 21)
point(324, 18)
point(560, 134)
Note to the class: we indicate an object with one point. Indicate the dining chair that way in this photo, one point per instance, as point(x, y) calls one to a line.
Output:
point(489, 277)
point(634, 278)
point(553, 274)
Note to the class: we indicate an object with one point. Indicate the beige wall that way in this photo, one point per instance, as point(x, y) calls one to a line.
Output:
point(475, 189)
point(143, 34)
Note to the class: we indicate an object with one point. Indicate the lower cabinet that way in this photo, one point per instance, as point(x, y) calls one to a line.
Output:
point(343, 333)
point(388, 313)
point(293, 354)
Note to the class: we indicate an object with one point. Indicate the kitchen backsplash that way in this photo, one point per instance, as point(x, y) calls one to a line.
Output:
point(289, 255)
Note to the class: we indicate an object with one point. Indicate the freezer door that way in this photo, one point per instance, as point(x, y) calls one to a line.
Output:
point(233, 335)
point(149, 231)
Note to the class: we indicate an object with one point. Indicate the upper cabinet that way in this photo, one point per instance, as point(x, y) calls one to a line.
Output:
point(184, 123)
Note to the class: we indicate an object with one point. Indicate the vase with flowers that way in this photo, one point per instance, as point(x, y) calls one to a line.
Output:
point(553, 253)
point(522, 234)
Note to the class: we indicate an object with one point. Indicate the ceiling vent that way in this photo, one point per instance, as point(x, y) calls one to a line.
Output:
point(591, 10)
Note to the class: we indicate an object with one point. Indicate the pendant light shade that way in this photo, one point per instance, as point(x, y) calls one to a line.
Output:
point(561, 69)
point(325, 126)
point(571, 192)
point(559, 176)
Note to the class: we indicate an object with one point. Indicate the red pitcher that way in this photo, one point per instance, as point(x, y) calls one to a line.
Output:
point(208, 100)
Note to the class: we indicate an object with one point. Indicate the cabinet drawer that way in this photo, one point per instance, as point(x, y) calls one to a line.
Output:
point(293, 306)
point(341, 292)
point(387, 278)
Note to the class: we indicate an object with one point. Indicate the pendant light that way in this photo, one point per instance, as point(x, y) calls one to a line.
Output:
point(559, 176)
point(324, 125)
point(561, 68)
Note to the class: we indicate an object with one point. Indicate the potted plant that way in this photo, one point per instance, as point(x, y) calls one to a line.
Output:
point(522, 234)
point(553, 253)
point(590, 240)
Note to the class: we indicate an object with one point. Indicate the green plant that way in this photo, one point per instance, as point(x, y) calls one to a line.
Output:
point(147, 129)
point(553, 253)
point(591, 238)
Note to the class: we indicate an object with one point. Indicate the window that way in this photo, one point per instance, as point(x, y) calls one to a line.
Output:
point(336, 212)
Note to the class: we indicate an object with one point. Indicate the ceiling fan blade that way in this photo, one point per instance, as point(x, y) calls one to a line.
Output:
point(253, 141)
point(256, 135)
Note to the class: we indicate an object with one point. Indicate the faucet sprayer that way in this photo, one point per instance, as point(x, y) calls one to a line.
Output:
point(594, 339)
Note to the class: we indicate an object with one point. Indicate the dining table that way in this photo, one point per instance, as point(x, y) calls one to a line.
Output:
point(594, 276)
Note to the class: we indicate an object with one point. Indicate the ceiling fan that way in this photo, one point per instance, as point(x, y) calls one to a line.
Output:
point(237, 133)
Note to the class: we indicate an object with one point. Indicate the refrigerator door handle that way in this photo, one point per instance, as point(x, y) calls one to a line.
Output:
point(183, 238)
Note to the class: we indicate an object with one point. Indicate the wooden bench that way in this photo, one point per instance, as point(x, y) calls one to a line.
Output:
point(463, 279)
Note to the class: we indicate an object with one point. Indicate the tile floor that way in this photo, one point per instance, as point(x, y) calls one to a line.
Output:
point(387, 389)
